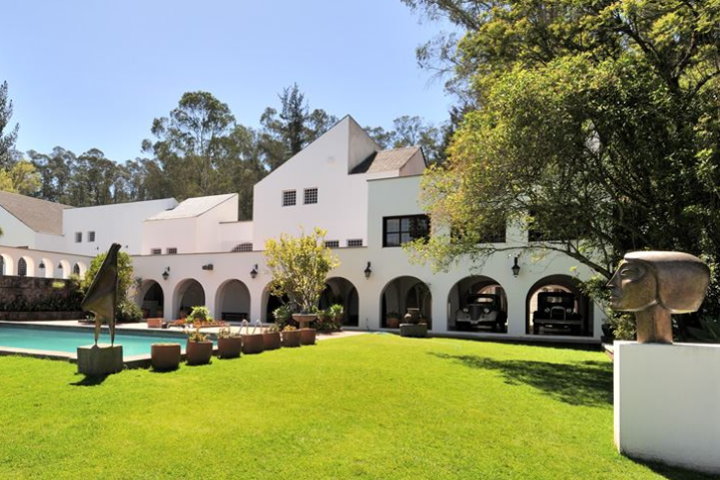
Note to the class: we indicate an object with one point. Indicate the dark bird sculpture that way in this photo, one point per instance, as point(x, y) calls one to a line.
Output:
point(101, 297)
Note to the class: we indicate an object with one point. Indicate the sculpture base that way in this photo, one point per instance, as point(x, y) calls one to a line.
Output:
point(665, 403)
point(97, 360)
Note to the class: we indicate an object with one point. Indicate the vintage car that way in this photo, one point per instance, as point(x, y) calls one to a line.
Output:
point(556, 310)
point(481, 309)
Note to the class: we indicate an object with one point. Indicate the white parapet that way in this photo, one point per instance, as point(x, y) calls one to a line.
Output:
point(667, 403)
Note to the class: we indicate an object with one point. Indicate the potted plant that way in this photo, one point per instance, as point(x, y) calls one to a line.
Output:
point(414, 324)
point(252, 340)
point(392, 320)
point(282, 314)
point(290, 336)
point(229, 343)
point(271, 338)
point(198, 349)
point(299, 267)
point(336, 312)
point(198, 316)
point(165, 356)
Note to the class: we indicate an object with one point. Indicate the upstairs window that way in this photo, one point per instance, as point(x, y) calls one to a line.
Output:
point(332, 243)
point(243, 247)
point(289, 198)
point(22, 268)
point(155, 251)
point(355, 242)
point(311, 196)
point(171, 251)
point(78, 237)
point(91, 236)
point(400, 230)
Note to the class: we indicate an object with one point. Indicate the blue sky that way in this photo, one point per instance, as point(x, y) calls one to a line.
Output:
point(86, 74)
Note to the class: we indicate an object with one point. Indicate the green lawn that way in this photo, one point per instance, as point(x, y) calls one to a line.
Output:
point(372, 406)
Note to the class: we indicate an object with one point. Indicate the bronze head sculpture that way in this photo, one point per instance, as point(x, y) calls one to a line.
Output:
point(656, 284)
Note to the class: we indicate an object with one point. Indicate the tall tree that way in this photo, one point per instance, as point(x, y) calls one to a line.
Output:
point(20, 178)
point(595, 123)
point(7, 134)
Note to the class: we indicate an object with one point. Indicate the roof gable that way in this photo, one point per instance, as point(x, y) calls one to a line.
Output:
point(193, 207)
point(39, 215)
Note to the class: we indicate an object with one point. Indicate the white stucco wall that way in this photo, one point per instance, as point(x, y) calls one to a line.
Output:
point(667, 403)
point(180, 233)
point(231, 234)
point(51, 260)
point(15, 233)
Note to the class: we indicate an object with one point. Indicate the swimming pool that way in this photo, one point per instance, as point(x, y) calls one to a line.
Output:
point(66, 340)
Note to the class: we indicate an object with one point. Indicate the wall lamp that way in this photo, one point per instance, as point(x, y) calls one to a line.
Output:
point(166, 273)
point(208, 266)
point(515, 268)
point(60, 266)
point(41, 266)
point(254, 271)
point(367, 271)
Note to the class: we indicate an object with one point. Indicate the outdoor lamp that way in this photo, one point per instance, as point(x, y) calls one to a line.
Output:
point(166, 273)
point(42, 266)
point(208, 266)
point(254, 271)
point(60, 266)
point(515, 268)
point(367, 271)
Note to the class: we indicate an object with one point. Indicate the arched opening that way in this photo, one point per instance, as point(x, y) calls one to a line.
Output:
point(556, 306)
point(342, 291)
point(477, 303)
point(188, 293)
point(400, 296)
point(76, 269)
point(22, 268)
point(270, 303)
point(45, 268)
point(6, 264)
point(232, 302)
point(153, 299)
point(63, 268)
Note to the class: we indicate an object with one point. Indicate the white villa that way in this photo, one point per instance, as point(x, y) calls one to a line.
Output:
point(196, 251)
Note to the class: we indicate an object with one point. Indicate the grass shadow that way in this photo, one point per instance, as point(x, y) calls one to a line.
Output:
point(586, 383)
point(90, 381)
point(674, 473)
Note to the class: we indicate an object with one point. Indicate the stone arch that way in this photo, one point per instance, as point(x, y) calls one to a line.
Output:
point(152, 299)
point(464, 291)
point(46, 268)
point(402, 293)
point(188, 293)
point(63, 268)
point(342, 291)
point(232, 301)
point(269, 303)
point(7, 264)
point(76, 270)
point(581, 306)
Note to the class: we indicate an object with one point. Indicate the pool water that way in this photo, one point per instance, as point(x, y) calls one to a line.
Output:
point(67, 340)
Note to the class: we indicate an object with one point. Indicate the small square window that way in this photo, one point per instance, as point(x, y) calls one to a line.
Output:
point(289, 198)
point(311, 195)
point(171, 251)
point(156, 251)
point(91, 236)
point(78, 237)
point(332, 243)
point(355, 242)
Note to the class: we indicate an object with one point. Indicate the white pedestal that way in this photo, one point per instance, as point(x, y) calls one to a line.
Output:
point(667, 403)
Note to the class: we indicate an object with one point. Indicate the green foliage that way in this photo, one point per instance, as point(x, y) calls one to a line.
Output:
point(21, 178)
point(282, 314)
point(128, 312)
point(707, 331)
point(227, 332)
point(125, 274)
point(7, 136)
point(195, 335)
point(199, 314)
point(299, 267)
point(595, 124)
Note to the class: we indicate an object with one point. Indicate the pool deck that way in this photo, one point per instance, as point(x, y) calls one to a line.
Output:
point(135, 361)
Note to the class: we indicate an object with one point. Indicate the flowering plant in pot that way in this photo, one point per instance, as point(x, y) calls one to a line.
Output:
point(252, 339)
point(229, 343)
point(199, 316)
point(290, 336)
point(198, 349)
point(271, 337)
point(299, 267)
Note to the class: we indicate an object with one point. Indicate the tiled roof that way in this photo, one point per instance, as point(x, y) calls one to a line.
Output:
point(385, 160)
point(193, 207)
point(40, 215)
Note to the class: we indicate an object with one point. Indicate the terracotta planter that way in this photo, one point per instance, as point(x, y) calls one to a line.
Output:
point(198, 353)
point(271, 340)
point(253, 343)
point(291, 338)
point(229, 347)
point(165, 356)
point(307, 336)
point(392, 322)
point(304, 319)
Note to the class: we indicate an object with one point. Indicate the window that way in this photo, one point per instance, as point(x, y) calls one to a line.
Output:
point(91, 236)
point(22, 267)
point(78, 237)
point(355, 242)
point(289, 198)
point(171, 251)
point(311, 195)
point(332, 243)
point(155, 251)
point(243, 247)
point(76, 269)
point(400, 230)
